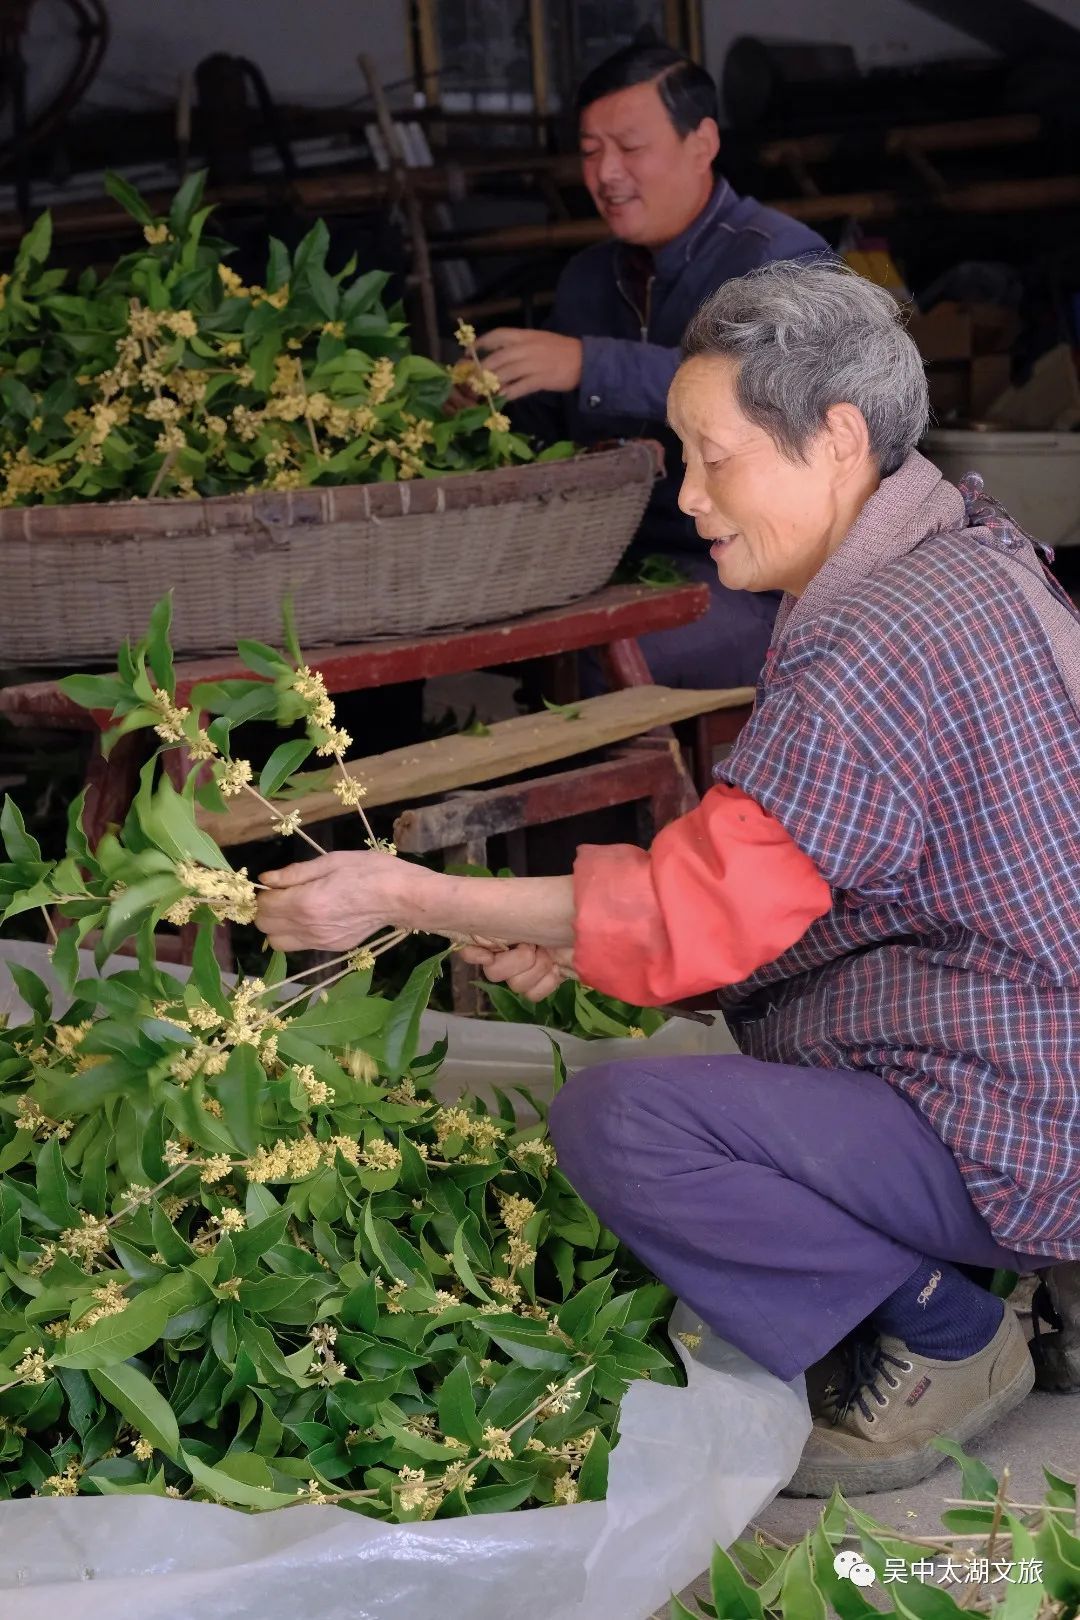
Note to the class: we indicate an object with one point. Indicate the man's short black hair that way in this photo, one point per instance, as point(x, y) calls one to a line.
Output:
point(686, 90)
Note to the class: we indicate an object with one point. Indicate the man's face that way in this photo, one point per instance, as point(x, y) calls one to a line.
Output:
point(648, 182)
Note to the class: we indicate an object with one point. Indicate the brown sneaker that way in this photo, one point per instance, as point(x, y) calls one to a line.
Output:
point(878, 1435)
point(1057, 1354)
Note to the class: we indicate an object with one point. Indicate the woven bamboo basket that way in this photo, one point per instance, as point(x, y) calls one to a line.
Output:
point(361, 560)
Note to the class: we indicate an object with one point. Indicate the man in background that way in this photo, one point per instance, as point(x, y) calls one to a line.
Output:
point(601, 366)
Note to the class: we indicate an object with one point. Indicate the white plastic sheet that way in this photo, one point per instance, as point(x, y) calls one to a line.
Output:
point(693, 1466)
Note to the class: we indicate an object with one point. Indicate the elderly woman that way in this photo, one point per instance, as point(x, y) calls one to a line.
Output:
point(883, 885)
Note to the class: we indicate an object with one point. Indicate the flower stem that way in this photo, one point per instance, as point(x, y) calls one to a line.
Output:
point(278, 816)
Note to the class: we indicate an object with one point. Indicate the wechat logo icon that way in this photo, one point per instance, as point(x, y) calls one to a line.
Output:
point(851, 1567)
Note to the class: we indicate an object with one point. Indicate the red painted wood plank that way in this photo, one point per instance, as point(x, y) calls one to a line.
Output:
point(617, 613)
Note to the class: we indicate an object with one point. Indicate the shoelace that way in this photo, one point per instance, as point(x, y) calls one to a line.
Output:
point(869, 1363)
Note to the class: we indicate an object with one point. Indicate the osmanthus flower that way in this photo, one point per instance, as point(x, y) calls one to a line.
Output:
point(264, 1183)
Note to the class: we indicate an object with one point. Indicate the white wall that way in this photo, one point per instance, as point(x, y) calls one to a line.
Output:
point(307, 49)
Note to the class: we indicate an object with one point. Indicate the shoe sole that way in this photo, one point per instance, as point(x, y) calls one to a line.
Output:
point(864, 1478)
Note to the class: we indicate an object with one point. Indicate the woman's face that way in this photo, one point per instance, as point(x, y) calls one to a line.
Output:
point(772, 522)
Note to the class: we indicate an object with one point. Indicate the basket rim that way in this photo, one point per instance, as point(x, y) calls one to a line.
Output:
point(170, 516)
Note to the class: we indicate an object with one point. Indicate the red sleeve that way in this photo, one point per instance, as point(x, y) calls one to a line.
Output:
point(722, 891)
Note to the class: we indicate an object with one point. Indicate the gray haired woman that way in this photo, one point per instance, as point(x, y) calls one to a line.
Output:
point(881, 886)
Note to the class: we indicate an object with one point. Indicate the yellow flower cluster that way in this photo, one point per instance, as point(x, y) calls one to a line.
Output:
point(230, 896)
point(294, 1159)
point(318, 1092)
point(110, 1302)
point(86, 1242)
point(30, 1117)
point(381, 1155)
point(516, 1212)
point(66, 1483)
point(31, 1369)
point(349, 791)
point(233, 777)
point(381, 381)
point(496, 1444)
point(24, 476)
point(170, 727)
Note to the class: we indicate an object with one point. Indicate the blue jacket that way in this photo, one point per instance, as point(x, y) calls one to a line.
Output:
point(631, 354)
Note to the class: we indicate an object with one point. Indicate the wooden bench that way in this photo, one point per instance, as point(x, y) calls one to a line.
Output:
point(509, 748)
point(639, 761)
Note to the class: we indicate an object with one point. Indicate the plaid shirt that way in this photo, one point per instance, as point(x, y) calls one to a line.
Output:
point(916, 739)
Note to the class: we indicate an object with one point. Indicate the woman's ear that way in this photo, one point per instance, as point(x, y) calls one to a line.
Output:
point(848, 436)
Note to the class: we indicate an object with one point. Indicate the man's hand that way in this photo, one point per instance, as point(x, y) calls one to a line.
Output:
point(333, 902)
point(527, 361)
point(532, 970)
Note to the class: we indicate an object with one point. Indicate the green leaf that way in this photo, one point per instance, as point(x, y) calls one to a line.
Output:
point(168, 820)
point(288, 628)
point(593, 1479)
point(457, 1407)
point(186, 202)
point(240, 1090)
point(733, 1598)
point(1023, 1599)
point(134, 1329)
point(52, 1186)
point(158, 650)
point(533, 1350)
point(348, 1015)
point(144, 1407)
point(18, 843)
point(401, 1033)
point(463, 1267)
point(1059, 1550)
point(286, 758)
point(263, 659)
point(95, 691)
point(917, 1600)
point(799, 1597)
point(979, 1483)
point(227, 1489)
point(128, 198)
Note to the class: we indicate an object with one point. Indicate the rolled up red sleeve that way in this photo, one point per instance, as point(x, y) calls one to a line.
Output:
point(722, 891)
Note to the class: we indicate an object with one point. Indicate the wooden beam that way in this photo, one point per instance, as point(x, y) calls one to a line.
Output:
point(965, 135)
point(427, 769)
point(391, 135)
point(617, 613)
point(427, 31)
point(989, 197)
point(538, 56)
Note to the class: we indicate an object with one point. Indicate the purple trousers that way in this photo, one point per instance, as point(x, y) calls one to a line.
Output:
point(782, 1204)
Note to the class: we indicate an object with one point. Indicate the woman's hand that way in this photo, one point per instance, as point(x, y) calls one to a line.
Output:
point(533, 971)
point(335, 901)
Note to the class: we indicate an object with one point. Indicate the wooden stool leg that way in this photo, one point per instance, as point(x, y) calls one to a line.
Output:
point(623, 663)
point(110, 785)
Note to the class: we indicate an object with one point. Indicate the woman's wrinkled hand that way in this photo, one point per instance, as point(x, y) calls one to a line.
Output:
point(533, 971)
point(333, 902)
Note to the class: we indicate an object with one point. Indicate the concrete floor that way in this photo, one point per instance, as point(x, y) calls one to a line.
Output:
point(1043, 1431)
